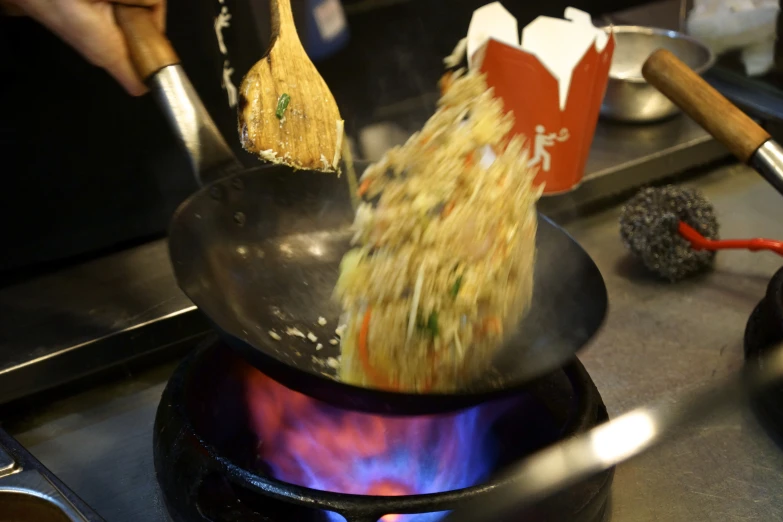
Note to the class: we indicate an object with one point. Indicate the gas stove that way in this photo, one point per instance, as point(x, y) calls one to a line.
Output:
point(232, 444)
point(660, 342)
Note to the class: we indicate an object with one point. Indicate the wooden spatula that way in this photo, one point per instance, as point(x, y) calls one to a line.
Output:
point(286, 112)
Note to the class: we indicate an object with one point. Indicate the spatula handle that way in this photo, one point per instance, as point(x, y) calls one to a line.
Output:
point(150, 50)
point(691, 93)
point(282, 20)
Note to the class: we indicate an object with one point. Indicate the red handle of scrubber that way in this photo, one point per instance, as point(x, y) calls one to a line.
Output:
point(700, 242)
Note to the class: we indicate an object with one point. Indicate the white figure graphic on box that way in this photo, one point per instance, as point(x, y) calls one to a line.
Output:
point(228, 85)
point(222, 22)
point(540, 144)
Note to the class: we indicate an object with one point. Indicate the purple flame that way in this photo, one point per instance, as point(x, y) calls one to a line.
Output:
point(311, 444)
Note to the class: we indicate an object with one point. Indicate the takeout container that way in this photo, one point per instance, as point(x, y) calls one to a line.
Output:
point(553, 79)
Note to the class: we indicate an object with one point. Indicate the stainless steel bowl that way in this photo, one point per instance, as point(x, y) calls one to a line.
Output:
point(628, 96)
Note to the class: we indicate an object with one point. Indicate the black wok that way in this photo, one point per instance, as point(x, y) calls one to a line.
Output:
point(259, 250)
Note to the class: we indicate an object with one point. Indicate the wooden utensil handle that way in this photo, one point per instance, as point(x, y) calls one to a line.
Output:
point(150, 50)
point(691, 93)
point(282, 21)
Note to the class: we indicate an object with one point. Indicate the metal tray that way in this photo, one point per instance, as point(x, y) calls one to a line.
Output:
point(31, 493)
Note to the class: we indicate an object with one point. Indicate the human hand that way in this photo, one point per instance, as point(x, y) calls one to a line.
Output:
point(90, 28)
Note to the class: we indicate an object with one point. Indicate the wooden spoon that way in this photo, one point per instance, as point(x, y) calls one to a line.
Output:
point(308, 132)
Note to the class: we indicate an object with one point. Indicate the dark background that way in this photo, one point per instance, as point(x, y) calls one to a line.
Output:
point(85, 167)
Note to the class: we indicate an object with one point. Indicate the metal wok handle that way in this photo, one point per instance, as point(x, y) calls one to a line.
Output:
point(158, 65)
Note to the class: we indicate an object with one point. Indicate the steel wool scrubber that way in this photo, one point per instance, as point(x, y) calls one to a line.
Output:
point(673, 231)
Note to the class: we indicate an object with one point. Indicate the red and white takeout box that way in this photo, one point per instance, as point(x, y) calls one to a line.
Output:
point(553, 80)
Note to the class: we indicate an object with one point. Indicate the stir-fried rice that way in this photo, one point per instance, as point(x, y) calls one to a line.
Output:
point(445, 248)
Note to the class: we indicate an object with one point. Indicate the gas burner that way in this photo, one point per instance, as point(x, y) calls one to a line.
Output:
point(763, 331)
point(232, 444)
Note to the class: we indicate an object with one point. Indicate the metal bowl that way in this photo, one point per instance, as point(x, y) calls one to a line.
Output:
point(628, 95)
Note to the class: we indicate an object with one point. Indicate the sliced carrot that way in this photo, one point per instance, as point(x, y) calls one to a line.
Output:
point(433, 359)
point(470, 159)
point(448, 209)
point(364, 187)
point(487, 325)
point(364, 354)
point(492, 323)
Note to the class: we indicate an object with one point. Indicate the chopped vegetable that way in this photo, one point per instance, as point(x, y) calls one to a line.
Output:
point(348, 264)
point(282, 105)
point(364, 186)
point(415, 302)
point(456, 286)
point(364, 354)
point(430, 326)
point(492, 324)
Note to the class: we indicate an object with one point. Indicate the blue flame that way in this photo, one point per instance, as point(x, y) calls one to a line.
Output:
point(309, 443)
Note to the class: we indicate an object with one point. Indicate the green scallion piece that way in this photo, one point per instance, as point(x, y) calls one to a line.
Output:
point(282, 105)
point(456, 286)
point(430, 326)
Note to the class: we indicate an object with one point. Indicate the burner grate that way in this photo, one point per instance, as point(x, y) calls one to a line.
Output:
point(208, 468)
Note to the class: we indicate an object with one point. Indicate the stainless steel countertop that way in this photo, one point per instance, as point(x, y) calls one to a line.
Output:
point(83, 318)
point(659, 342)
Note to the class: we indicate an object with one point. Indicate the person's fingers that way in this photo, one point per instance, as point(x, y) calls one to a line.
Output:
point(126, 76)
point(158, 8)
point(160, 13)
point(123, 71)
point(9, 8)
point(140, 3)
point(89, 26)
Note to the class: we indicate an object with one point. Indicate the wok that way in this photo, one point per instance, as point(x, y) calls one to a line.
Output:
point(259, 250)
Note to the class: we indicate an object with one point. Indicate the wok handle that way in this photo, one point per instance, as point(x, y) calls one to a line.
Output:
point(150, 50)
point(691, 93)
point(158, 65)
